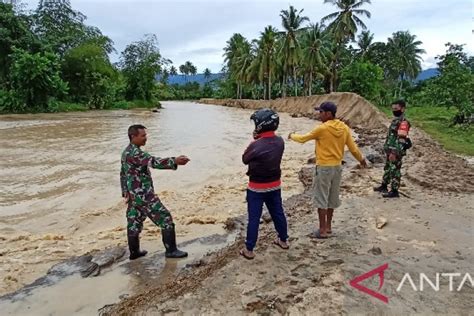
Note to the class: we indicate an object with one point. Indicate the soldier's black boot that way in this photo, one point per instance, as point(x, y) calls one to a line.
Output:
point(391, 194)
point(134, 247)
point(169, 240)
point(382, 188)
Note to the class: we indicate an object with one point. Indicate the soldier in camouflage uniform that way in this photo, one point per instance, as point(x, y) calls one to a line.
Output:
point(139, 194)
point(395, 147)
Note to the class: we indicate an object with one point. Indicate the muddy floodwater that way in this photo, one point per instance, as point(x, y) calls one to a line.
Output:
point(60, 191)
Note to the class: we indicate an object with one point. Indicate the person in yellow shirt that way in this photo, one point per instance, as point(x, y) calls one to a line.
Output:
point(331, 137)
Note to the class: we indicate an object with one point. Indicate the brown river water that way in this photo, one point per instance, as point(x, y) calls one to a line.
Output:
point(60, 192)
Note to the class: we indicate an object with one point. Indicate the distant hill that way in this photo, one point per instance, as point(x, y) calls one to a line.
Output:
point(427, 74)
point(199, 78)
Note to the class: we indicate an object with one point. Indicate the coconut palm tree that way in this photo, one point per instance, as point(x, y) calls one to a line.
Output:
point(237, 57)
point(365, 42)
point(316, 53)
point(344, 22)
point(185, 71)
point(173, 71)
point(255, 75)
point(292, 21)
point(404, 54)
point(192, 70)
point(268, 46)
point(344, 25)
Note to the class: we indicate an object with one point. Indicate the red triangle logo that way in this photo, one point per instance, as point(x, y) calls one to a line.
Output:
point(377, 271)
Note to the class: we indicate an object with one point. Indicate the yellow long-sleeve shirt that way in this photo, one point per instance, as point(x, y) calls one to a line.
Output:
point(331, 138)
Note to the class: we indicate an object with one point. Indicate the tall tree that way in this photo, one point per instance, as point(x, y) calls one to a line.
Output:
point(62, 27)
point(292, 21)
point(404, 54)
point(184, 70)
point(316, 53)
point(268, 47)
point(454, 86)
point(192, 70)
point(173, 71)
point(90, 75)
point(237, 58)
point(140, 62)
point(344, 25)
point(364, 42)
point(15, 33)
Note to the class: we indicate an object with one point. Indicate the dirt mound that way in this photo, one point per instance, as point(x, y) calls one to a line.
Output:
point(351, 108)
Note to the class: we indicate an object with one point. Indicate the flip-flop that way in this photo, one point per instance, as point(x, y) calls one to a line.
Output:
point(275, 242)
point(317, 234)
point(242, 253)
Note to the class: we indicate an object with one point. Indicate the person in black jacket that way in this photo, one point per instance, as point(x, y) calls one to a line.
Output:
point(263, 157)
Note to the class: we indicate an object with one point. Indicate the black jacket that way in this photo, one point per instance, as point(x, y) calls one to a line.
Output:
point(263, 157)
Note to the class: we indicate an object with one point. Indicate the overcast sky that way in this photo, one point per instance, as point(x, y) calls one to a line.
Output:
point(197, 30)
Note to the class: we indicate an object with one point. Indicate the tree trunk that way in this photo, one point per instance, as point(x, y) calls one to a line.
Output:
point(283, 87)
point(310, 82)
point(269, 84)
point(294, 81)
point(401, 86)
point(331, 87)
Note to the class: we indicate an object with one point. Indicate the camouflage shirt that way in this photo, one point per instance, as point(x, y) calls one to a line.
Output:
point(135, 176)
point(394, 143)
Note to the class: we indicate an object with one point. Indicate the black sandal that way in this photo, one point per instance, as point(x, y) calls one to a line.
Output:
point(276, 242)
point(242, 253)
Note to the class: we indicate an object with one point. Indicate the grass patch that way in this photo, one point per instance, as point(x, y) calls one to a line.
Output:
point(136, 104)
point(436, 122)
point(67, 107)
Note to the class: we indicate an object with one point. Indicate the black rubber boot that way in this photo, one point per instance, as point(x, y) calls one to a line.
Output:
point(169, 240)
point(134, 247)
point(391, 194)
point(382, 188)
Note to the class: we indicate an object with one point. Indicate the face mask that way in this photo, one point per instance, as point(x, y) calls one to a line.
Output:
point(397, 113)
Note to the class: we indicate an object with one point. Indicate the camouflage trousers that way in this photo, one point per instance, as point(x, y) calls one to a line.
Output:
point(392, 173)
point(137, 212)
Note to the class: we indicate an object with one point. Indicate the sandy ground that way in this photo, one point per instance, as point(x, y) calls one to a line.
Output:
point(429, 230)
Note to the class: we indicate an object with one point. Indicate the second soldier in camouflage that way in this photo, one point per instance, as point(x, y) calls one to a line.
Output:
point(395, 147)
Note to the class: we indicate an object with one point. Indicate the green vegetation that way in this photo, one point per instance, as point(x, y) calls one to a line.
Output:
point(50, 60)
point(437, 121)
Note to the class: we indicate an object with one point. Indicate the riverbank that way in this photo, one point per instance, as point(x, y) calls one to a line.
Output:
point(64, 107)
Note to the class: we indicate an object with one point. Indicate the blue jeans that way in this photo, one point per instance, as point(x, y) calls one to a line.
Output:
point(255, 205)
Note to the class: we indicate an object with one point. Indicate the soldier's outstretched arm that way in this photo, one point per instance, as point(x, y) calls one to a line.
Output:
point(143, 158)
